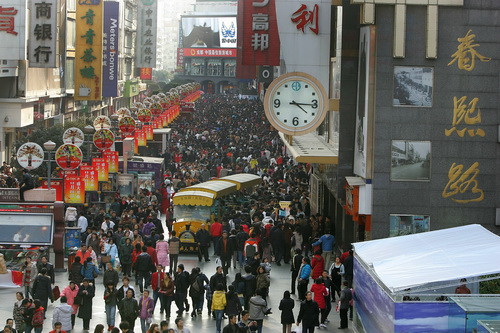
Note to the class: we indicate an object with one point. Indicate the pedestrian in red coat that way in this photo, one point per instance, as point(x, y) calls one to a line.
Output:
point(320, 291)
point(318, 265)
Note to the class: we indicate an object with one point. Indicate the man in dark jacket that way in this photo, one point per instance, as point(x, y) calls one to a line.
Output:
point(241, 237)
point(225, 251)
point(296, 263)
point(129, 308)
point(308, 314)
point(110, 275)
point(203, 238)
point(250, 285)
point(278, 243)
point(143, 266)
point(26, 183)
point(44, 263)
point(345, 298)
point(181, 287)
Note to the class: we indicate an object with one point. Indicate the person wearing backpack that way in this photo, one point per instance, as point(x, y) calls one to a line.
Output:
point(251, 247)
point(38, 316)
point(196, 290)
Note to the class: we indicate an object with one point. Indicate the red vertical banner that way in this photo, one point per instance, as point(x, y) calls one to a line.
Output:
point(164, 120)
point(258, 36)
point(136, 146)
point(89, 176)
point(101, 167)
point(149, 131)
point(74, 190)
point(140, 136)
point(111, 157)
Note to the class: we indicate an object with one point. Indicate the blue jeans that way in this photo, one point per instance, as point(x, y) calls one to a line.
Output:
point(28, 328)
point(144, 325)
point(156, 295)
point(218, 320)
point(240, 258)
point(110, 314)
point(38, 329)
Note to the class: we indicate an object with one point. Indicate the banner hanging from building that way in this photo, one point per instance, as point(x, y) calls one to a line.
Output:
point(74, 190)
point(43, 33)
point(88, 50)
point(110, 48)
point(146, 33)
point(89, 175)
point(13, 30)
point(258, 37)
point(111, 157)
point(101, 167)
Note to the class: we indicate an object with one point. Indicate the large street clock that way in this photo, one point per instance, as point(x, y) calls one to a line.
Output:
point(296, 103)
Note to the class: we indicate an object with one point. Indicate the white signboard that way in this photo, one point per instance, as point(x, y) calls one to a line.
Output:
point(13, 30)
point(73, 136)
point(30, 155)
point(227, 32)
point(42, 33)
point(147, 11)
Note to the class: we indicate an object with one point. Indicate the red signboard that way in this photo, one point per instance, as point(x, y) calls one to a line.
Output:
point(140, 136)
point(69, 157)
point(111, 157)
point(74, 190)
point(258, 35)
point(146, 73)
point(55, 184)
point(149, 131)
point(101, 167)
point(206, 52)
point(89, 175)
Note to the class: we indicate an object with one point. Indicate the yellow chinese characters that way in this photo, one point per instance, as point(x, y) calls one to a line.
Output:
point(465, 114)
point(460, 182)
point(466, 53)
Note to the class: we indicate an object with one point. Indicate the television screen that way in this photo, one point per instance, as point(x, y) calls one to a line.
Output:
point(26, 228)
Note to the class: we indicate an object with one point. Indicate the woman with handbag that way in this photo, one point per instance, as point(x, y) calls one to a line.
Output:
point(86, 292)
point(89, 271)
point(111, 251)
point(303, 280)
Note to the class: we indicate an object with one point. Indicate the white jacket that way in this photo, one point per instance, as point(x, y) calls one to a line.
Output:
point(62, 314)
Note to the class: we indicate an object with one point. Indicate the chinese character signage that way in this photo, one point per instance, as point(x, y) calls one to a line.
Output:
point(146, 73)
point(110, 48)
point(180, 59)
point(101, 167)
point(30, 155)
point(209, 52)
point(258, 34)
point(146, 33)
point(43, 33)
point(74, 190)
point(89, 176)
point(149, 131)
point(88, 53)
point(69, 157)
point(111, 157)
point(140, 136)
point(12, 30)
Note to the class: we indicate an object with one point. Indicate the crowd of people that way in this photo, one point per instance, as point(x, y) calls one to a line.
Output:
point(126, 241)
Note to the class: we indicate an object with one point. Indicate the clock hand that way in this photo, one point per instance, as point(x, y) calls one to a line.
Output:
point(303, 103)
point(297, 104)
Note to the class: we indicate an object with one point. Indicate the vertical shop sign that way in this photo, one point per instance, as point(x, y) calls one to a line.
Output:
point(43, 33)
point(258, 39)
point(74, 190)
point(88, 50)
point(146, 33)
point(111, 157)
point(110, 48)
point(89, 176)
point(101, 167)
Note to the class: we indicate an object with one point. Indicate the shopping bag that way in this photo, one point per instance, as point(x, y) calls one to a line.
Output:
point(218, 262)
point(56, 293)
point(296, 329)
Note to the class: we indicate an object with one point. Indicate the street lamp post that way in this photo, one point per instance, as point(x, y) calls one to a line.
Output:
point(89, 131)
point(49, 147)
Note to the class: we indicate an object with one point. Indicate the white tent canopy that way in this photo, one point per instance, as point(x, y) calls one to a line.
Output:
point(431, 257)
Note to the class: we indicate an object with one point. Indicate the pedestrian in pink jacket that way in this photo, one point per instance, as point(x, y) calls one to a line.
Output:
point(162, 252)
point(146, 307)
point(70, 292)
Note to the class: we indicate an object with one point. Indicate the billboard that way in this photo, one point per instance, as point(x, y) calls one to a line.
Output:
point(208, 32)
point(43, 34)
point(88, 50)
point(110, 48)
point(147, 11)
point(26, 228)
point(12, 30)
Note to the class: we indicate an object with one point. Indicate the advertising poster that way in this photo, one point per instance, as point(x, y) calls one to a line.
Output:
point(111, 158)
point(89, 175)
point(144, 115)
point(30, 155)
point(140, 136)
point(127, 125)
point(69, 157)
point(74, 136)
point(74, 190)
point(146, 73)
point(26, 228)
point(101, 122)
point(72, 238)
point(104, 139)
point(110, 48)
point(88, 50)
point(101, 167)
point(209, 32)
point(149, 131)
point(54, 184)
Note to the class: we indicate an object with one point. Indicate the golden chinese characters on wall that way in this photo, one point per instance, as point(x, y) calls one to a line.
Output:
point(462, 186)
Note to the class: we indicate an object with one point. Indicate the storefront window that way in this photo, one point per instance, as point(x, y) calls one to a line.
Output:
point(230, 68)
point(197, 67)
point(214, 67)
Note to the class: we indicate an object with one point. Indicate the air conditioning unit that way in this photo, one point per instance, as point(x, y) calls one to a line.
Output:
point(8, 68)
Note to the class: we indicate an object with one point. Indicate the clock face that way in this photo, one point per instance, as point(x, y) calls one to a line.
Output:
point(295, 104)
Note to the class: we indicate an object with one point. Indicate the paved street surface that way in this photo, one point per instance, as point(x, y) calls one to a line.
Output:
point(280, 281)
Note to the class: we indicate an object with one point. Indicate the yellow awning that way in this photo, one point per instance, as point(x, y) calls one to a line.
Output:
point(242, 180)
point(310, 148)
point(218, 187)
point(194, 198)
